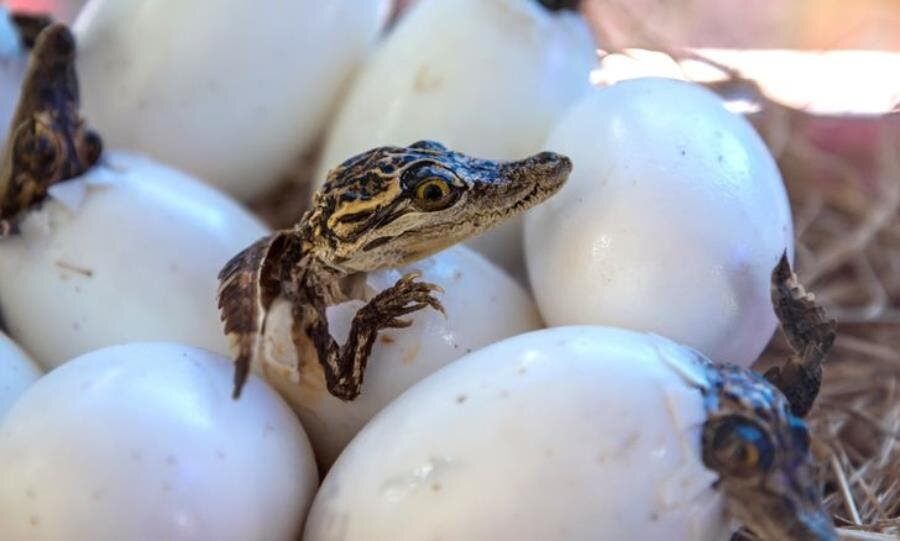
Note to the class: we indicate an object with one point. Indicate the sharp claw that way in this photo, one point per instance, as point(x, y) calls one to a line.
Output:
point(410, 276)
point(410, 308)
point(436, 304)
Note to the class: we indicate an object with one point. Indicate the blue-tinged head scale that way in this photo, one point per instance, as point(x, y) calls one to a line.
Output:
point(761, 452)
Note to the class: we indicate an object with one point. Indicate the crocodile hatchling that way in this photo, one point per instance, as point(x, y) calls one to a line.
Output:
point(48, 140)
point(381, 209)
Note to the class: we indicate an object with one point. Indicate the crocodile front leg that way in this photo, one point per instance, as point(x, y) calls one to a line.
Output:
point(345, 365)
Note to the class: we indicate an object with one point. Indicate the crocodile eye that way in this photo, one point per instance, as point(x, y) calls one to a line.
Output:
point(739, 447)
point(433, 193)
point(42, 148)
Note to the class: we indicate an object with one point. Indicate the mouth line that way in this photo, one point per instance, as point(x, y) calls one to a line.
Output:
point(530, 199)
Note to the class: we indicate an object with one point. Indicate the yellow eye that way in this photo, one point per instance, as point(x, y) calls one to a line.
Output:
point(739, 448)
point(433, 194)
point(745, 455)
point(43, 145)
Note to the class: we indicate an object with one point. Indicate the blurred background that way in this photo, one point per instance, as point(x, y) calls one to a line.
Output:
point(783, 24)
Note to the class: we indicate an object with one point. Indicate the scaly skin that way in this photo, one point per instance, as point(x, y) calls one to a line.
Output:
point(381, 209)
point(48, 140)
point(30, 26)
point(754, 437)
point(810, 335)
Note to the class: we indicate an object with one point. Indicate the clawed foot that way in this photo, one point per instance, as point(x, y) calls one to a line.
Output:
point(384, 311)
point(405, 297)
point(810, 334)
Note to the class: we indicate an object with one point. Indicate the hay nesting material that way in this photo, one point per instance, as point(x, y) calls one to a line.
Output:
point(847, 218)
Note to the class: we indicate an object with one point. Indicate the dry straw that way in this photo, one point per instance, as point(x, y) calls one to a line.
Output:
point(848, 253)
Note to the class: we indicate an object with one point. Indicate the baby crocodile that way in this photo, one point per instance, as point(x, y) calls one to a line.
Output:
point(48, 140)
point(754, 437)
point(381, 209)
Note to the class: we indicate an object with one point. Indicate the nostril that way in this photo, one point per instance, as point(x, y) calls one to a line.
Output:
point(553, 159)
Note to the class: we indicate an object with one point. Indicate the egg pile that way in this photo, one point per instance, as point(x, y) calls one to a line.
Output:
point(481, 424)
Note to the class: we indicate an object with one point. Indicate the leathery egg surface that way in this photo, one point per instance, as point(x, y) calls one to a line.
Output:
point(485, 77)
point(482, 303)
point(672, 220)
point(17, 373)
point(143, 442)
point(128, 252)
point(563, 433)
point(228, 90)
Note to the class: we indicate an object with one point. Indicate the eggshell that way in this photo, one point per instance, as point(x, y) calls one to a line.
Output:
point(486, 77)
point(228, 90)
point(17, 373)
point(672, 221)
point(564, 433)
point(482, 303)
point(128, 252)
point(143, 441)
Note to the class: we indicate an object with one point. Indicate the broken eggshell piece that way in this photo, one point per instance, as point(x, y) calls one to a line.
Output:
point(129, 251)
point(574, 432)
point(482, 304)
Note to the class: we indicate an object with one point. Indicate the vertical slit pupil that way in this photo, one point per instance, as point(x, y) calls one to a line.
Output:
point(433, 192)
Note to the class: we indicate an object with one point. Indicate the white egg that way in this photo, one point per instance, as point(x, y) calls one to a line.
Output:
point(486, 77)
point(228, 90)
point(564, 433)
point(17, 373)
point(482, 303)
point(672, 221)
point(143, 441)
point(128, 252)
